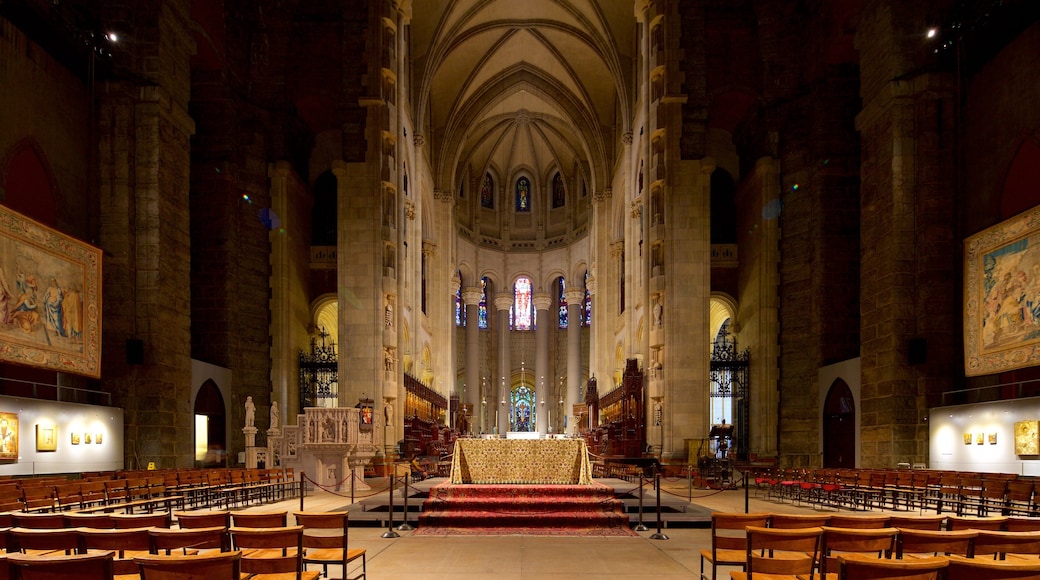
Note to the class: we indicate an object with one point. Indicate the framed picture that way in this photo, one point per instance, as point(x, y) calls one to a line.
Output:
point(87, 438)
point(8, 436)
point(979, 439)
point(97, 438)
point(75, 438)
point(992, 438)
point(1027, 437)
point(967, 438)
point(54, 309)
point(46, 437)
point(1002, 296)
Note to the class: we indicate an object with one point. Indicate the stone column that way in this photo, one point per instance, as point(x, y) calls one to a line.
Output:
point(574, 296)
point(617, 265)
point(471, 298)
point(543, 400)
point(505, 366)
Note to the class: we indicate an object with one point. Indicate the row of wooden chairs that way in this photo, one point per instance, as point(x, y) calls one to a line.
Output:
point(953, 491)
point(880, 535)
point(317, 538)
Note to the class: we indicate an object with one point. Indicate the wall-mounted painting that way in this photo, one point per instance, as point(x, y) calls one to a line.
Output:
point(1002, 296)
point(967, 438)
point(980, 438)
point(992, 438)
point(46, 437)
point(75, 438)
point(8, 435)
point(52, 286)
point(1027, 437)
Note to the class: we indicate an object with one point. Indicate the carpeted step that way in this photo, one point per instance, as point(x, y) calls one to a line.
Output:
point(552, 509)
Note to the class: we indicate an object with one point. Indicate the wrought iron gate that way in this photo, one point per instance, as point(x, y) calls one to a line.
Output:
point(729, 377)
point(319, 373)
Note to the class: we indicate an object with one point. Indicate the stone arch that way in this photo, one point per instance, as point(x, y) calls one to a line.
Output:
point(209, 402)
point(839, 427)
point(721, 307)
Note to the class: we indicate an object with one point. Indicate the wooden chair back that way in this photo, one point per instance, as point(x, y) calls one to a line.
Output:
point(1022, 524)
point(181, 567)
point(729, 540)
point(917, 543)
point(800, 548)
point(39, 521)
point(270, 550)
point(989, 543)
point(870, 542)
point(323, 546)
point(30, 540)
point(168, 540)
point(258, 520)
point(986, 569)
point(993, 523)
point(152, 520)
point(203, 519)
point(871, 521)
point(921, 522)
point(917, 569)
point(125, 543)
point(97, 521)
point(790, 521)
point(94, 566)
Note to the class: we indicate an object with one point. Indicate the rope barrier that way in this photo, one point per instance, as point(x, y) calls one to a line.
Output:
point(376, 491)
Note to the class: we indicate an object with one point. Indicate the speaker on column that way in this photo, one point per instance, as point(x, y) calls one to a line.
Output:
point(917, 351)
point(134, 351)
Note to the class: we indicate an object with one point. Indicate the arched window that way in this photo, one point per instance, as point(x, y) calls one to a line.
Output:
point(523, 195)
point(523, 306)
point(562, 287)
point(521, 403)
point(559, 197)
point(487, 192)
point(460, 308)
point(482, 307)
point(587, 304)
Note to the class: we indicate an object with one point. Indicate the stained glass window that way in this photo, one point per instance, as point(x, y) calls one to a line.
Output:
point(523, 307)
point(487, 192)
point(563, 302)
point(460, 308)
point(559, 197)
point(587, 305)
point(482, 306)
point(523, 195)
point(521, 404)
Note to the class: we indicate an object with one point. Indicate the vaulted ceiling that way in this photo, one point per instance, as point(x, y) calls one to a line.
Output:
point(538, 84)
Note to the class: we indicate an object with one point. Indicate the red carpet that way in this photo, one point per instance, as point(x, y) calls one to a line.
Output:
point(566, 510)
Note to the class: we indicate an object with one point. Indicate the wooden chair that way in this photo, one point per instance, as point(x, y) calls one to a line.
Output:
point(852, 568)
point(126, 544)
point(998, 545)
point(324, 548)
point(181, 567)
point(97, 521)
point(871, 521)
point(95, 566)
point(869, 542)
point(979, 569)
point(792, 521)
point(258, 520)
point(918, 544)
point(167, 540)
point(152, 520)
point(271, 553)
point(781, 554)
point(729, 540)
point(39, 521)
point(921, 522)
point(993, 523)
point(38, 541)
point(1022, 524)
point(203, 519)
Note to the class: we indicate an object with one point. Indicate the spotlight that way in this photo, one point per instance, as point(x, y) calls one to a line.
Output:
point(932, 32)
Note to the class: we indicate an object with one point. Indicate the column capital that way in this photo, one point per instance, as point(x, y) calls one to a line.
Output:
point(574, 296)
point(542, 301)
point(604, 194)
point(419, 140)
point(471, 295)
point(503, 301)
point(617, 249)
point(591, 284)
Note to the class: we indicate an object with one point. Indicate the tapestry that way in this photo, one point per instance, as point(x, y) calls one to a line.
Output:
point(50, 298)
point(1002, 296)
point(9, 436)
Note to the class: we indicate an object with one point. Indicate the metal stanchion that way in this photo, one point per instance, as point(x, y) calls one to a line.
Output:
point(743, 474)
point(352, 480)
point(404, 527)
point(302, 475)
point(390, 533)
point(658, 535)
point(640, 527)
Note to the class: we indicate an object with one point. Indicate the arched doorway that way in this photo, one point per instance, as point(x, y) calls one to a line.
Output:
point(210, 432)
point(839, 427)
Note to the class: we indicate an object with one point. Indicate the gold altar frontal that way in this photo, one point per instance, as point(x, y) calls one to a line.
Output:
point(521, 461)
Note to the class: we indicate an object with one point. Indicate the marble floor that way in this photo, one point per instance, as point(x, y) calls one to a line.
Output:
point(541, 557)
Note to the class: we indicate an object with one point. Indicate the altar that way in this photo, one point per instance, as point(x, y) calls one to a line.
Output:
point(521, 461)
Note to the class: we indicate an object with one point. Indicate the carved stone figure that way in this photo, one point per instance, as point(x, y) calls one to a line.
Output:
point(250, 411)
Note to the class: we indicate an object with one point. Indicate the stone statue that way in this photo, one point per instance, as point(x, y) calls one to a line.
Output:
point(274, 415)
point(388, 412)
point(388, 315)
point(388, 359)
point(657, 312)
point(250, 411)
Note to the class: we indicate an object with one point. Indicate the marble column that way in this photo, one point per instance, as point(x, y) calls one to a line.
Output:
point(571, 396)
point(543, 399)
point(505, 366)
point(471, 298)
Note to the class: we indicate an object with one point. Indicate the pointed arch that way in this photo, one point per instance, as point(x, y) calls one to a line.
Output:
point(28, 182)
